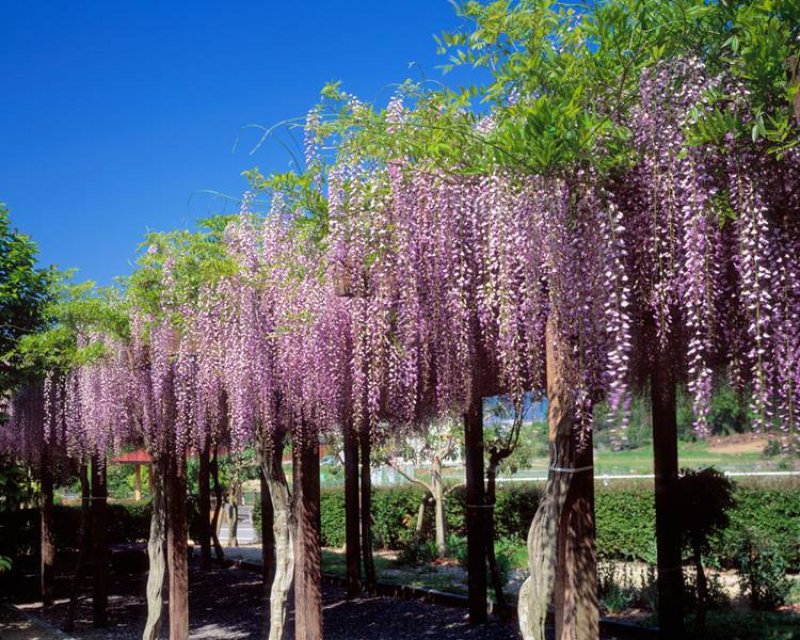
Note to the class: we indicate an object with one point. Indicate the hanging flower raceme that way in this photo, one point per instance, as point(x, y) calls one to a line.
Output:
point(710, 245)
point(97, 398)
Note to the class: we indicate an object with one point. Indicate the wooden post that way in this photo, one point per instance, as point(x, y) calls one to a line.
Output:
point(47, 547)
point(204, 500)
point(351, 511)
point(177, 549)
point(365, 450)
point(476, 510)
point(308, 561)
point(665, 459)
point(83, 546)
point(99, 543)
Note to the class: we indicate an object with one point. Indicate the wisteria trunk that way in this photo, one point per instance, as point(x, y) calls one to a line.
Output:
point(204, 499)
point(665, 462)
point(83, 548)
point(99, 543)
point(177, 549)
point(476, 510)
point(351, 511)
point(47, 547)
point(543, 535)
point(365, 450)
point(156, 552)
point(576, 605)
point(282, 541)
point(267, 547)
point(308, 565)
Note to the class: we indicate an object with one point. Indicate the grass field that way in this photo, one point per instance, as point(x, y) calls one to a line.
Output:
point(737, 454)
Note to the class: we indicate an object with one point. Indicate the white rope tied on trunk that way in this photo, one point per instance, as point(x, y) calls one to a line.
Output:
point(572, 469)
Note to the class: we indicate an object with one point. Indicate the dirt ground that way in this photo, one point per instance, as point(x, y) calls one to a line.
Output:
point(225, 604)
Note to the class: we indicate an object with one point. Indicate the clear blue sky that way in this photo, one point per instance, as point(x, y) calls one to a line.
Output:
point(116, 117)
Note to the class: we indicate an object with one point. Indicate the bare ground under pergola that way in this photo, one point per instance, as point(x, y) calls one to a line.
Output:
point(225, 603)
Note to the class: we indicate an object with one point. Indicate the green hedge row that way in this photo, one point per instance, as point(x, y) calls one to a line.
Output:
point(625, 519)
point(127, 523)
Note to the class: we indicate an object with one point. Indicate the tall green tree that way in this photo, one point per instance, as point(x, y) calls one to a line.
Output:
point(25, 290)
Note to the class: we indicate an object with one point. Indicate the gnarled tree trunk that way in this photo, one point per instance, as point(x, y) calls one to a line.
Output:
point(267, 545)
point(282, 540)
point(543, 535)
point(576, 605)
point(156, 551)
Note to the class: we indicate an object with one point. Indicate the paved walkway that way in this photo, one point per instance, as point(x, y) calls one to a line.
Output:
point(16, 625)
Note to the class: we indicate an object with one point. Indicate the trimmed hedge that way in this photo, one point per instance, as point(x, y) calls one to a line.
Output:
point(625, 519)
point(127, 523)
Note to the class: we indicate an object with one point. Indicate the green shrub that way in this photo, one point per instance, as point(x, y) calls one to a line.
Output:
point(514, 510)
point(417, 552)
point(394, 514)
point(763, 571)
point(625, 521)
point(332, 518)
point(772, 514)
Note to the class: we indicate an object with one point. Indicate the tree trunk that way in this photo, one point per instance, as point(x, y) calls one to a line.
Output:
point(156, 551)
point(47, 548)
point(702, 590)
point(494, 570)
point(267, 536)
point(177, 549)
point(366, 512)
point(576, 605)
point(204, 499)
point(308, 561)
point(99, 543)
point(420, 518)
point(440, 516)
point(668, 535)
point(233, 520)
point(543, 535)
point(216, 520)
point(282, 537)
point(476, 510)
point(83, 548)
point(351, 511)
